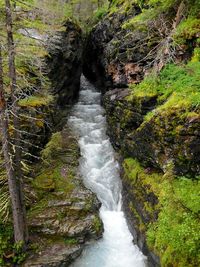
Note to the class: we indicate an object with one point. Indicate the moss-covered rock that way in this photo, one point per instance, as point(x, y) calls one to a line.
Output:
point(157, 121)
point(65, 214)
point(163, 213)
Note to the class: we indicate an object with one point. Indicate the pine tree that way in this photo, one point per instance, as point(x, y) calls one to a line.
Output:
point(11, 152)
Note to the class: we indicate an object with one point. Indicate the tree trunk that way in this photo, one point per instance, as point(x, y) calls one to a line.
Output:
point(20, 236)
point(99, 3)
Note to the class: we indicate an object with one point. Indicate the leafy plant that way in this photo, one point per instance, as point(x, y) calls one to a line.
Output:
point(19, 255)
point(6, 235)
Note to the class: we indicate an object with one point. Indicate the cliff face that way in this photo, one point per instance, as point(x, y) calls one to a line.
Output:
point(144, 59)
point(165, 146)
point(52, 103)
point(65, 63)
point(120, 52)
point(109, 50)
point(164, 139)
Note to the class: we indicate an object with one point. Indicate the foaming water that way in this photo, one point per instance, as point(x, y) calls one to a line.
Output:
point(100, 172)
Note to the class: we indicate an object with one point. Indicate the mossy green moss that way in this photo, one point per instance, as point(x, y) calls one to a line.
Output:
point(53, 147)
point(175, 235)
point(57, 173)
point(187, 30)
point(135, 171)
point(196, 55)
point(176, 87)
point(36, 101)
point(97, 224)
point(52, 179)
point(70, 241)
point(120, 6)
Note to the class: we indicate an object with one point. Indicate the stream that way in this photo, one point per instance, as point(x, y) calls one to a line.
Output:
point(100, 172)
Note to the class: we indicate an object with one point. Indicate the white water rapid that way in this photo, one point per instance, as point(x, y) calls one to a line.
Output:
point(100, 172)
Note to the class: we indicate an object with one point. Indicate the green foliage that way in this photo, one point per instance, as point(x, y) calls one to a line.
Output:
point(36, 101)
point(53, 147)
point(193, 7)
point(120, 6)
point(175, 236)
point(140, 21)
point(196, 55)
point(163, 5)
point(19, 255)
point(10, 253)
point(149, 11)
point(4, 196)
point(187, 30)
point(100, 12)
point(176, 86)
point(6, 235)
point(70, 241)
point(187, 191)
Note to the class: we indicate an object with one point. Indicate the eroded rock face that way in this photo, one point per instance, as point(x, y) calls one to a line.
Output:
point(116, 56)
point(125, 116)
point(167, 140)
point(65, 63)
point(134, 199)
point(57, 255)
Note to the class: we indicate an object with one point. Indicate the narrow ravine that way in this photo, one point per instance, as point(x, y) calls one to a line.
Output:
point(100, 172)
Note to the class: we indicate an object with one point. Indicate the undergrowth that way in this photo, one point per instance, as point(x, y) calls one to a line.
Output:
point(175, 236)
point(176, 86)
point(10, 254)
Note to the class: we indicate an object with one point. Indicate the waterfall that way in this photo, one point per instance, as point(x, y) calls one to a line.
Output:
point(100, 172)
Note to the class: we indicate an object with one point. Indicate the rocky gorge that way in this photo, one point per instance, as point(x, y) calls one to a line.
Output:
point(63, 214)
point(143, 56)
point(158, 142)
point(152, 123)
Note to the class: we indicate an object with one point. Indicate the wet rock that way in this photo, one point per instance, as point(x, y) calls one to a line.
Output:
point(134, 199)
point(114, 56)
point(64, 218)
point(65, 63)
point(124, 116)
point(57, 255)
point(167, 139)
